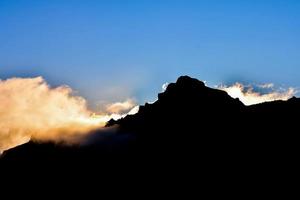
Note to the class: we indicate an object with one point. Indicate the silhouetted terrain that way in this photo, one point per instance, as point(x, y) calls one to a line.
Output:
point(192, 126)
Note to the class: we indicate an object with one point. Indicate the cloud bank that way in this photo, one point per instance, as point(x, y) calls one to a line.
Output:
point(250, 95)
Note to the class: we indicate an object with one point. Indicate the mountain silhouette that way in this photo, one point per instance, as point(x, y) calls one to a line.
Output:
point(189, 125)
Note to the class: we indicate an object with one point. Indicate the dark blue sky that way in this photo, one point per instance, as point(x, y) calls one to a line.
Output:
point(117, 49)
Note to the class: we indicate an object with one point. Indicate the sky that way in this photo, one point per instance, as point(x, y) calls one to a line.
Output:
point(115, 49)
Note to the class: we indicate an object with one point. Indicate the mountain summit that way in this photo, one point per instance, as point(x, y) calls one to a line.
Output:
point(182, 103)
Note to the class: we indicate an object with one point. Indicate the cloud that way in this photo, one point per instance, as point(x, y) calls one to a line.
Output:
point(121, 107)
point(134, 110)
point(267, 85)
point(31, 109)
point(248, 94)
point(164, 86)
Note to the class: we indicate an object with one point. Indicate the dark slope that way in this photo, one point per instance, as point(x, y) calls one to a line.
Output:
point(191, 124)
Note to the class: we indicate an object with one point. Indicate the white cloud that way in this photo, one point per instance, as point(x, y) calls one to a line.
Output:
point(164, 86)
point(249, 96)
point(266, 85)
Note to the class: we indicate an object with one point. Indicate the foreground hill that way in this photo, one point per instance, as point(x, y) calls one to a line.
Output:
point(189, 124)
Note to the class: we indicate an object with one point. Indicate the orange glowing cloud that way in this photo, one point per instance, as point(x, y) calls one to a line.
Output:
point(31, 109)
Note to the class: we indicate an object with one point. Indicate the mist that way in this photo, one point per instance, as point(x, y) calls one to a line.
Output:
point(30, 109)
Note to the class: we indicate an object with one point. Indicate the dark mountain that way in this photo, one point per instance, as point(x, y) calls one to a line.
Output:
point(190, 125)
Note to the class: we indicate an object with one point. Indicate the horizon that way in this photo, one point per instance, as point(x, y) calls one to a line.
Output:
point(58, 115)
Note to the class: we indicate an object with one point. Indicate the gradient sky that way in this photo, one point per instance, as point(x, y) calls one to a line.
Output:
point(111, 50)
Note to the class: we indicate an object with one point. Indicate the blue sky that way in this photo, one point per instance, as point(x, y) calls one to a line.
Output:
point(111, 50)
